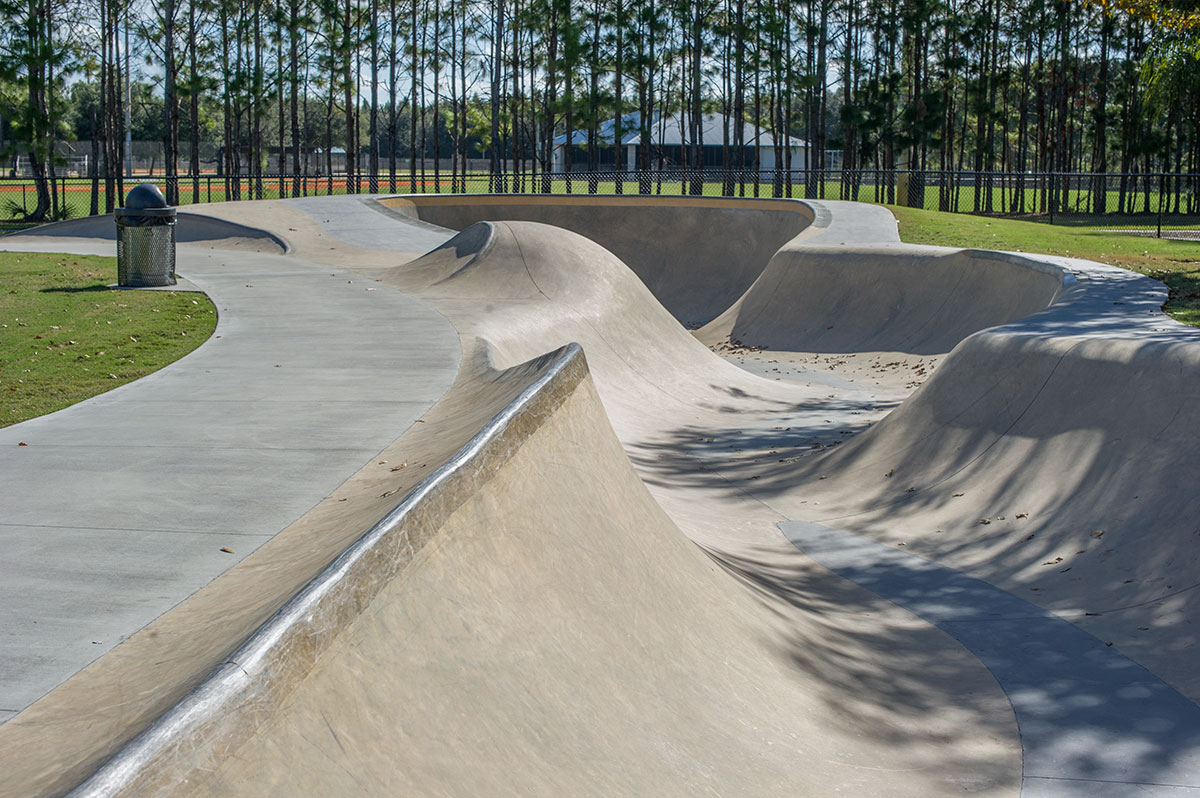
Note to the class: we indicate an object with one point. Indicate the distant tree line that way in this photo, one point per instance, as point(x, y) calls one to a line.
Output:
point(978, 85)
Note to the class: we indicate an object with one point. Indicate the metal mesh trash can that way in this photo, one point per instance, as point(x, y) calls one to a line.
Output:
point(145, 239)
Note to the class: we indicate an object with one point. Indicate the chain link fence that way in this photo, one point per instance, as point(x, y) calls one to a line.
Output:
point(1148, 204)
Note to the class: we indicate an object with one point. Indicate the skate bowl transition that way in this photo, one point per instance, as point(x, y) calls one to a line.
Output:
point(926, 528)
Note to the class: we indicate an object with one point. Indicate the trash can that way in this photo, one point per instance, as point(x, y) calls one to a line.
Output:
point(145, 239)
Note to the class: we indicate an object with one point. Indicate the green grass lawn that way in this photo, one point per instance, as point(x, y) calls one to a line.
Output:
point(1176, 263)
point(65, 336)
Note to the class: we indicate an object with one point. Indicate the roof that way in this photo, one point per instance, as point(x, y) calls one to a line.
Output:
point(670, 132)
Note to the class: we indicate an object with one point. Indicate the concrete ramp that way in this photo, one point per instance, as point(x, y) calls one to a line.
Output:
point(191, 228)
point(1049, 456)
point(519, 625)
point(916, 300)
point(526, 288)
point(528, 620)
point(697, 255)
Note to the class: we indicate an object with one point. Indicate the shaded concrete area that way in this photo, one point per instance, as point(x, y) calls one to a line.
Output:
point(569, 577)
point(1092, 721)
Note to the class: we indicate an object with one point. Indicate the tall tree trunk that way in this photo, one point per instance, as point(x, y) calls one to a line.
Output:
point(618, 97)
point(348, 96)
point(170, 105)
point(257, 101)
point(414, 77)
point(437, 82)
point(294, 87)
point(497, 89)
point(394, 24)
point(194, 88)
point(1100, 123)
point(373, 125)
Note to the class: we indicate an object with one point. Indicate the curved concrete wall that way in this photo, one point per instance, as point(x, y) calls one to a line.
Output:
point(1050, 456)
point(190, 228)
point(920, 300)
point(696, 255)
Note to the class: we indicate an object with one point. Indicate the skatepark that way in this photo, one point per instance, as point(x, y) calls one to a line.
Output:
point(612, 496)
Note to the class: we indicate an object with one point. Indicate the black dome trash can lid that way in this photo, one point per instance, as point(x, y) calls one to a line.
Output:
point(145, 206)
point(145, 196)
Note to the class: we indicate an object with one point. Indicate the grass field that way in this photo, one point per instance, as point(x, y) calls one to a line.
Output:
point(65, 336)
point(18, 198)
point(1176, 263)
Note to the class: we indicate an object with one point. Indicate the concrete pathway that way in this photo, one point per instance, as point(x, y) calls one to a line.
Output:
point(116, 509)
point(838, 222)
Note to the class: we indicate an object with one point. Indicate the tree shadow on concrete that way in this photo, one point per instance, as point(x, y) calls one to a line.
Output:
point(902, 686)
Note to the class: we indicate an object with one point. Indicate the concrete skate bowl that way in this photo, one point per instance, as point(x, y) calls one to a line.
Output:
point(526, 620)
point(484, 638)
point(543, 597)
point(696, 255)
point(190, 228)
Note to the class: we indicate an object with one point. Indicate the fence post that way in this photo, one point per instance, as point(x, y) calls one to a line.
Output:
point(1052, 200)
point(1162, 187)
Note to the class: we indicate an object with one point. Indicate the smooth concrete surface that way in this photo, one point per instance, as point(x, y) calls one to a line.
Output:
point(117, 508)
point(561, 623)
point(190, 228)
point(350, 223)
point(837, 223)
point(1093, 722)
point(695, 254)
point(882, 299)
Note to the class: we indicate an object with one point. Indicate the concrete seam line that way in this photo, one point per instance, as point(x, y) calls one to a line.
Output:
point(238, 696)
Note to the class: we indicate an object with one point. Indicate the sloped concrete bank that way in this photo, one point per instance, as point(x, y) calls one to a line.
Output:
point(695, 254)
point(917, 300)
point(233, 702)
